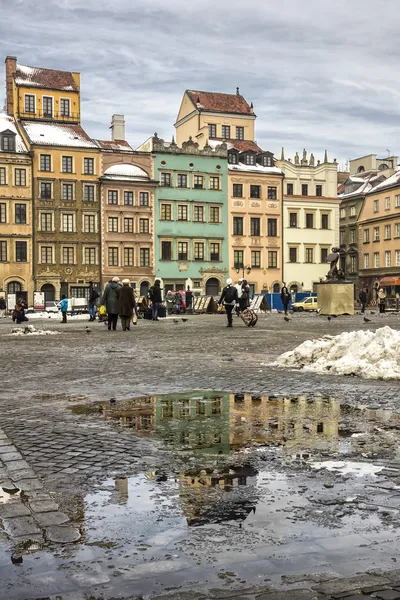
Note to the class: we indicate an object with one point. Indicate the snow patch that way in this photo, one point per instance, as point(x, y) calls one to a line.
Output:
point(31, 330)
point(345, 467)
point(367, 354)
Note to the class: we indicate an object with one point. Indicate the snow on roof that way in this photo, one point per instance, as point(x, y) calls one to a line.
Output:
point(364, 188)
point(50, 79)
point(392, 180)
point(56, 134)
point(126, 173)
point(119, 145)
point(255, 168)
point(7, 122)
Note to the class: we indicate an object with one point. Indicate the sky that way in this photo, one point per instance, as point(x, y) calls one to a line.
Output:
point(321, 74)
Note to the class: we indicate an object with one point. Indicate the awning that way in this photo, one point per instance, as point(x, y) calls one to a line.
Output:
point(390, 280)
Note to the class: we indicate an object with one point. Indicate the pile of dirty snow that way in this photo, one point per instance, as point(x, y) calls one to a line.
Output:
point(31, 330)
point(368, 354)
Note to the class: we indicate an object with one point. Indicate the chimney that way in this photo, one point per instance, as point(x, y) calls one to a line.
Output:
point(118, 127)
point(11, 69)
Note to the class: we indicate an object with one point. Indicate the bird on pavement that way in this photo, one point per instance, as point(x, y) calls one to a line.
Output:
point(329, 318)
point(176, 321)
point(286, 319)
point(372, 312)
point(184, 320)
point(87, 330)
point(367, 320)
point(113, 401)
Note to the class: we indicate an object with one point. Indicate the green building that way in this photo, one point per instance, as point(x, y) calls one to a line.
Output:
point(190, 216)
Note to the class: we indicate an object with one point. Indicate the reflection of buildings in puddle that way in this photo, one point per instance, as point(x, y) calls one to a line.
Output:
point(135, 413)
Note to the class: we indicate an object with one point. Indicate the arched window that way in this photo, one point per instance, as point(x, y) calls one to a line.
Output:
point(383, 167)
point(276, 288)
point(360, 169)
point(14, 287)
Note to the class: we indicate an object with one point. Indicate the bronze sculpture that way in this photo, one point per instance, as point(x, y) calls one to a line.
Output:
point(334, 274)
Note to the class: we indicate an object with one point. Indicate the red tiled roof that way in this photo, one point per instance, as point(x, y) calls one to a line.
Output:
point(217, 102)
point(245, 145)
point(49, 79)
point(114, 145)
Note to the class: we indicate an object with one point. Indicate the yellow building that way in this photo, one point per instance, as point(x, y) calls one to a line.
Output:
point(66, 166)
point(15, 213)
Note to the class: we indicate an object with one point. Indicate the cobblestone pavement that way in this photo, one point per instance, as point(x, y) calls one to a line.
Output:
point(55, 464)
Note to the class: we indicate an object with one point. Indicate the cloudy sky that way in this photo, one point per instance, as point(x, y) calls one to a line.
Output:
point(321, 74)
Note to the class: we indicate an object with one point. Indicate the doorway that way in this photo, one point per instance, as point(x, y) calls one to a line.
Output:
point(144, 288)
point(212, 287)
point(49, 292)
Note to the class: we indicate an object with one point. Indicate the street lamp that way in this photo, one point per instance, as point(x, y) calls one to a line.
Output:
point(243, 269)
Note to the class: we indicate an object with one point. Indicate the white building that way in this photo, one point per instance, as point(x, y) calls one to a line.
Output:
point(310, 219)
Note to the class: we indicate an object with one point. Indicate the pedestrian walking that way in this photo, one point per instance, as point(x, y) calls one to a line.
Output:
point(382, 300)
point(19, 311)
point(178, 300)
point(93, 295)
point(188, 299)
point(363, 299)
point(170, 299)
point(244, 300)
point(155, 296)
point(126, 304)
point(238, 287)
point(285, 297)
point(64, 308)
point(3, 307)
point(110, 301)
point(229, 297)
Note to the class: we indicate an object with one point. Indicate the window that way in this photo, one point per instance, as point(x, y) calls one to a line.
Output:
point(3, 212)
point(45, 162)
point(341, 236)
point(353, 234)
point(267, 161)
point(128, 257)
point(113, 257)
point(226, 132)
point(128, 198)
point(324, 254)
point(165, 179)
point(272, 259)
point(128, 225)
point(144, 226)
point(67, 223)
point(214, 214)
point(318, 190)
point(388, 258)
point(289, 189)
point(199, 251)
point(144, 198)
point(182, 212)
point(3, 179)
point(88, 191)
point(293, 255)
point(376, 206)
point(47, 106)
point(20, 214)
point(304, 189)
point(324, 221)
point(271, 193)
point(20, 177)
point(293, 219)
point(46, 255)
point(67, 191)
point(198, 214)
point(46, 221)
point(3, 251)
point(88, 166)
point(89, 223)
point(342, 213)
point(29, 103)
point(397, 201)
point(214, 183)
point(352, 211)
point(237, 225)
point(397, 258)
point(166, 212)
point(67, 164)
point(198, 182)
point(144, 257)
point(8, 143)
point(366, 261)
point(376, 234)
point(366, 236)
point(166, 250)
point(232, 158)
point(255, 191)
point(388, 232)
point(309, 220)
point(237, 190)
point(272, 227)
point(182, 251)
point(64, 107)
point(112, 196)
point(255, 226)
point(182, 180)
point(376, 260)
point(255, 259)
point(240, 133)
point(21, 251)
point(68, 255)
point(250, 159)
point(387, 203)
point(45, 190)
point(90, 256)
point(212, 130)
point(397, 230)
point(238, 259)
point(214, 251)
point(353, 264)
point(309, 255)
point(113, 224)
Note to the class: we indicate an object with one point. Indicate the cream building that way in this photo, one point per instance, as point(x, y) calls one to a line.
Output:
point(310, 219)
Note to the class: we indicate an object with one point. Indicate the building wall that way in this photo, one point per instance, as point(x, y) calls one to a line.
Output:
point(370, 162)
point(349, 236)
point(13, 270)
point(263, 277)
point(56, 95)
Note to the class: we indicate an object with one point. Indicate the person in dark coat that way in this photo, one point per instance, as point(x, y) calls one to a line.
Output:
point(229, 297)
point(244, 300)
point(126, 304)
point(156, 298)
point(110, 301)
point(363, 299)
point(93, 295)
point(285, 297)
point(188, 299)
point(3, 307)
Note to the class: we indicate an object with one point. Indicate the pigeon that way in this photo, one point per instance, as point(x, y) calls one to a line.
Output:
point(113, 401)
point(184, 320)
point(87, 330)
point(329, 318)
point(286, 319)
point(372, 312)
point(176, 321)
point(367, 320)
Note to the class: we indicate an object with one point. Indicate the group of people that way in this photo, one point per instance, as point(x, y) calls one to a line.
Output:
point(235, 297)
point(119, 300)
point(380, 298)
point(175, 303)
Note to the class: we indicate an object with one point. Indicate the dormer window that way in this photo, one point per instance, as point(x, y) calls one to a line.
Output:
point(267, 161)
point(233, 158)
point(8, 142)
point(250, 159)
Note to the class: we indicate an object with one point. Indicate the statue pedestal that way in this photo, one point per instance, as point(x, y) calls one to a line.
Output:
point(336, 298)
